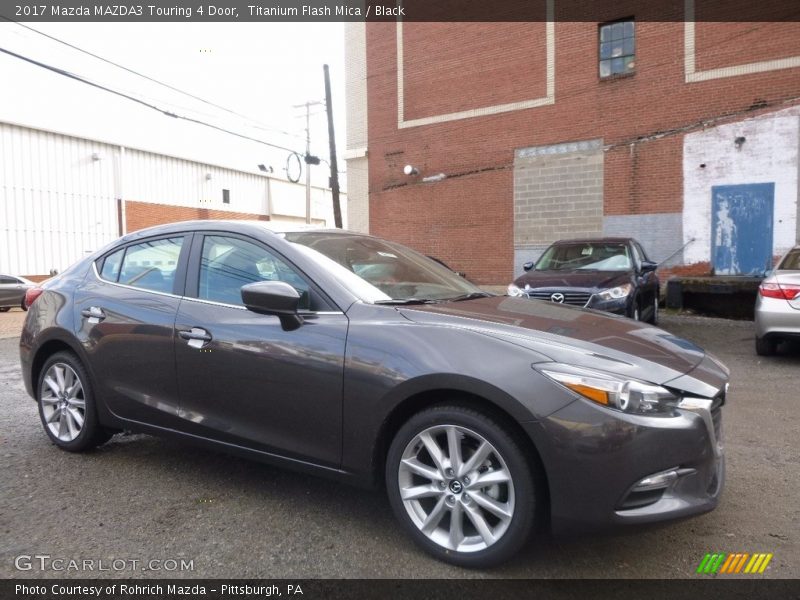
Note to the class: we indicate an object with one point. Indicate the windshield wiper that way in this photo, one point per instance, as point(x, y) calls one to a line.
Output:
point(470, 296)
point(406, 301)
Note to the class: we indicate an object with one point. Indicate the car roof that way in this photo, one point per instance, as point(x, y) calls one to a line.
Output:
point(594, 240)
point(233, 225)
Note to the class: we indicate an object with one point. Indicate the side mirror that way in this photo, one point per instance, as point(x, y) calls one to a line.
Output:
point(528, 266)
point(274, 298)
point(648, 266)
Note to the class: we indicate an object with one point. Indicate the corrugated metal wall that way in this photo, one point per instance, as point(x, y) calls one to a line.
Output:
point(56, 202)
point(58, 195)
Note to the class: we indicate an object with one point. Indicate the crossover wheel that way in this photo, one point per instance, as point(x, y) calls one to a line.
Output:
point(765, 347)
point(66, 404)
point(462, 486)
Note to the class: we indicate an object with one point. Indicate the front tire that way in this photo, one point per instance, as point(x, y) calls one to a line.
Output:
point(653, 320)
point(460, 484)
point(67, 405)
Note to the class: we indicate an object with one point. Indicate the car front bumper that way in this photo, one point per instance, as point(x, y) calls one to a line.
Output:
point(595, 457)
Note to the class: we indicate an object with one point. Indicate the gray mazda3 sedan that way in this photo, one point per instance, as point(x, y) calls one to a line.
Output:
point(485, 417)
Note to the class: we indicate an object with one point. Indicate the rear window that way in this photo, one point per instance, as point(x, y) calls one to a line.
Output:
point(791, 262)
point(150, 265)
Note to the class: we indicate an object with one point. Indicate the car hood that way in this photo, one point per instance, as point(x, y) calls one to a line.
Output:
point(573, 279)
point(578, 337)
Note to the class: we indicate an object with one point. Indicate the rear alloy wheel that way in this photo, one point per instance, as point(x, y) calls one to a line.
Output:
point(765, 347)
point(66, 404)
point(461, 485)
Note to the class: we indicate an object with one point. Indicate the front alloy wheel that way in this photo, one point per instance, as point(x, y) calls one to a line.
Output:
point(462, 485)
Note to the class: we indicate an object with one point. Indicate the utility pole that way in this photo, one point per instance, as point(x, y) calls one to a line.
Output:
point(337, 209)
point(308, 106)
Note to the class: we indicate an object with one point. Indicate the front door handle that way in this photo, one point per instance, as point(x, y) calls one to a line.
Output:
point(94, 314)
point(197, 337)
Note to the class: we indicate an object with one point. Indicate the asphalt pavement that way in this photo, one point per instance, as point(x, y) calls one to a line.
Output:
point(139, 499)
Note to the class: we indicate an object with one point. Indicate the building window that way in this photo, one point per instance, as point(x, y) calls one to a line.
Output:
point(617, 48)
point(226, 196)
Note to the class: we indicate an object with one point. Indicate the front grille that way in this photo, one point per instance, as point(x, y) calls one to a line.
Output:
point(571, 297)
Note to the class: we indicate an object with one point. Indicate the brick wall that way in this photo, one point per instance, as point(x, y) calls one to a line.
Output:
point(139, 215)
point(640, 118)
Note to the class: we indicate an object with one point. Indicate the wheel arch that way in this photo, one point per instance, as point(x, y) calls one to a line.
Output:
point(45, 351)
point(456, 396)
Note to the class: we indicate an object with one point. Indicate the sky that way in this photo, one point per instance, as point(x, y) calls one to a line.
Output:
point(259, 70)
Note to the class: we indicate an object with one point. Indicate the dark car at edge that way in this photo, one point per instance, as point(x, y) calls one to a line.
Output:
point(609, 274)
point(484, 417)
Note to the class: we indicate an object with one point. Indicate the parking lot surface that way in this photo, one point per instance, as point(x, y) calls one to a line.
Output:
point(139, 498)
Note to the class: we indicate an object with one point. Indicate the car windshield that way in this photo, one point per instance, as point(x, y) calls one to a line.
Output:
point(379, 271)
point(586, 256)
point(791, 262)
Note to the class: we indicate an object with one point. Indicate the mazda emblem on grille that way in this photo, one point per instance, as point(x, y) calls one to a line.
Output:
point(557, 297)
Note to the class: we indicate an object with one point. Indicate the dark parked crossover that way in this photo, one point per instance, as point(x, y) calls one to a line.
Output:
point(343, 354)
point(610, 274)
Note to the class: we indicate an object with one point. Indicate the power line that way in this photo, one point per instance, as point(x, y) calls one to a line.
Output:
point(139, 101)
point(253, 123)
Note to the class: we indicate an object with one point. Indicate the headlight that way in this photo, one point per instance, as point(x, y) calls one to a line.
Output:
point(613, 391)
point(514, 291)
point(616, 293)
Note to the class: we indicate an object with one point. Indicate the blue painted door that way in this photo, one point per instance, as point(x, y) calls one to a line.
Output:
point(741, 228)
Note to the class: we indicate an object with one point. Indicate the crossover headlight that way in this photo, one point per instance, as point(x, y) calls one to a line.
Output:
point(614, 391)
point(514, 291)
point(616, 293)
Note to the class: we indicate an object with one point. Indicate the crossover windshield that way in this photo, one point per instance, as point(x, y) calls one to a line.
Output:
point(585, 256)
point(382, 272)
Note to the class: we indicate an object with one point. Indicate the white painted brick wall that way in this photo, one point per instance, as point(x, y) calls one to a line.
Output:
point(770, 154)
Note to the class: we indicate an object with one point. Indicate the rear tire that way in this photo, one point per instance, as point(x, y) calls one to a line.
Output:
point(461, 486)
point(22, 305)
point(67, 404)
point(766, 347)
point(5, 309)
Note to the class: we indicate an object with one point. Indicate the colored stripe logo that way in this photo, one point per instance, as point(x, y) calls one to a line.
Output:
point(738, 562)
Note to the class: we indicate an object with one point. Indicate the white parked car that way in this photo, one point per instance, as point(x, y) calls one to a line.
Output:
point(778, 304)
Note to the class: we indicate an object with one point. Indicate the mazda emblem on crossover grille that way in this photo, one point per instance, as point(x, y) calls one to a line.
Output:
point(557, 297)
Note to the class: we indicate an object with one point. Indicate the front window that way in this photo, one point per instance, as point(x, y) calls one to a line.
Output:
point(381, 271)
point(228, 263)
point(617, 48)
point(586, 256)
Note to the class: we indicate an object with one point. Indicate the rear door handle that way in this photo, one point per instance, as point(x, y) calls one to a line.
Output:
point(94, 314)
point(197, 337)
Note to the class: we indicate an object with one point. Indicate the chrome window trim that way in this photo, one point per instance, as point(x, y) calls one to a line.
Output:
point(130, 287)
point(200, 300)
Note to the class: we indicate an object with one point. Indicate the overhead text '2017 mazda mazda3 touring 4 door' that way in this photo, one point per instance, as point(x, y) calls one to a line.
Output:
point(483, 416)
